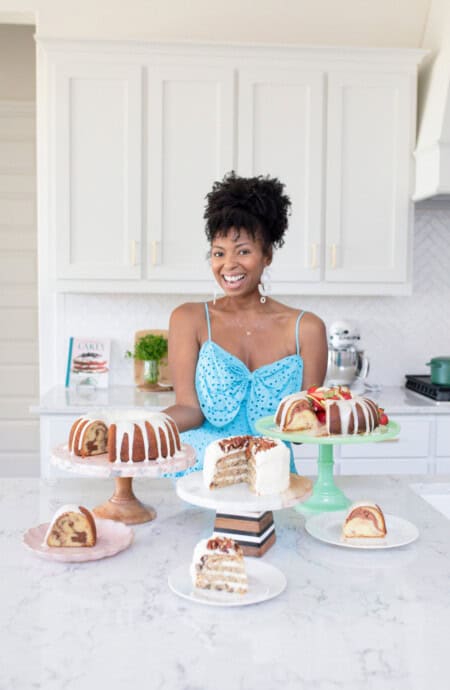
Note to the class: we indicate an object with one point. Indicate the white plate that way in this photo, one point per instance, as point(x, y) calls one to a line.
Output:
point(264, 582)
point(327, 527)
point(112, 537)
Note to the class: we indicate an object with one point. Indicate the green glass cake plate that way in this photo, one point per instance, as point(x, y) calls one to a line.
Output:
point(326, 496)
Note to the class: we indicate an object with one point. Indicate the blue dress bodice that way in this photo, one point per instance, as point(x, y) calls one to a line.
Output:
point(232, 397)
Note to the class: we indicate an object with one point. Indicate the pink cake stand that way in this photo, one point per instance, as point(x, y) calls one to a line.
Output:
point(123, 506)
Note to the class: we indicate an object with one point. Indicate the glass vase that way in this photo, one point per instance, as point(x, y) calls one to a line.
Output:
point(151, 371)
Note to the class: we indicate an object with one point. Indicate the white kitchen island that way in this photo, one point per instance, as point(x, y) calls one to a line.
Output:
point(348, 619)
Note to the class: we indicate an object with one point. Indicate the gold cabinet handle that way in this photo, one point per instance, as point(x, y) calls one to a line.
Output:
point(314, 262)
point(154, 252)
point(133, 252)
point(333, 256)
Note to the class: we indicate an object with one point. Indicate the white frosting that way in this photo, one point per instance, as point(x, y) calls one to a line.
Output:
point(126, 422)
point(271, 466)
point(68, 508)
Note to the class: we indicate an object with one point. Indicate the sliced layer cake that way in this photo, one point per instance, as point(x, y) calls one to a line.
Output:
point(218, 564)
point(263, 463)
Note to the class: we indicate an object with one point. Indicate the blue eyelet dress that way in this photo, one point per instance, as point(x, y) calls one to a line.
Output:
point(232, 397)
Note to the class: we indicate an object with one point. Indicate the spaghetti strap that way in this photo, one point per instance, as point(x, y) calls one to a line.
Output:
point(296, 331)
point(208, 321)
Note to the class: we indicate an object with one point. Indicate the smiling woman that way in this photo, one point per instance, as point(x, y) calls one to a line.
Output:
point(233, 359)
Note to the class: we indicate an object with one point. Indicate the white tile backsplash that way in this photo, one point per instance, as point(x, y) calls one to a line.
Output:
point(399, 334)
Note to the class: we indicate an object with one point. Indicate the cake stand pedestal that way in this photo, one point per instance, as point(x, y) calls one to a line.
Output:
point(326, 495)
point(123, 506)
point(240, 514)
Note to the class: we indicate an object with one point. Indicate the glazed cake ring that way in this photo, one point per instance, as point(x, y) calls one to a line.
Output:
point(127, 436)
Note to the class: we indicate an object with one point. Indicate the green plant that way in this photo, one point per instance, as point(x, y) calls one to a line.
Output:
point(149, 347)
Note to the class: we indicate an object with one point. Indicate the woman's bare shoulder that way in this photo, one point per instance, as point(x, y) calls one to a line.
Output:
point(188, 310)
point(312, 321)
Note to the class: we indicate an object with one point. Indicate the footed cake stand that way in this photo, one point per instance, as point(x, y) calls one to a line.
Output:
point(240, 514)
point(123, 506)
point(326, 495)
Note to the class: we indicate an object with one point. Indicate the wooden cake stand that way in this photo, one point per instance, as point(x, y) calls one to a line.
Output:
point(241, 514)
point(123, 506)
point(326, 495)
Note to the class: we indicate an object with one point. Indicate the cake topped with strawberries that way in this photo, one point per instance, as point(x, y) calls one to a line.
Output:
point(325, 411)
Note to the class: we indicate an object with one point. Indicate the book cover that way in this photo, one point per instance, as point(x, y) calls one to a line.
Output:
point(88, 362)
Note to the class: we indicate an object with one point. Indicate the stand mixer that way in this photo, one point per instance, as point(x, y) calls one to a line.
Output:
point(347, 364)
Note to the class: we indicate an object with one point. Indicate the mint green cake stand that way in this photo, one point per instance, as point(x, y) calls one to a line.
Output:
point(326, 496)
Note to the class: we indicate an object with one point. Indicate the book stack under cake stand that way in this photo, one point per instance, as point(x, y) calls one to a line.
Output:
point(326, 496)
point(240, 514)
point(123, 506)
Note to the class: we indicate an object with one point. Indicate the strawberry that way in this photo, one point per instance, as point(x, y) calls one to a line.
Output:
point(346, 393)
point(383, 419)
point(321, 416)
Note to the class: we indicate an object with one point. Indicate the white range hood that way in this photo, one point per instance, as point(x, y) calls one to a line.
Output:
point(433, 142)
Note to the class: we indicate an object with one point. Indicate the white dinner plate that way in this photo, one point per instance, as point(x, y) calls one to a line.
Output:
point(327, 527)
point(264, 582)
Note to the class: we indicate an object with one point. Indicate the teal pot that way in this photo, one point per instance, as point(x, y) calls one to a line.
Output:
point(440, 370)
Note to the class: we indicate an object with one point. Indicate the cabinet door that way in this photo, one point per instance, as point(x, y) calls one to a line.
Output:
point(190, 145)
point(369, 148)
point(96, 189)
point(280, 134)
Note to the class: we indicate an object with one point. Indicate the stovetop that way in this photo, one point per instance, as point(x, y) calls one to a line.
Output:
point(423, 386)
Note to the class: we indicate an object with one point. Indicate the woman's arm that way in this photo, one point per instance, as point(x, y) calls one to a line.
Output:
point(183, 355)
point(314, 350)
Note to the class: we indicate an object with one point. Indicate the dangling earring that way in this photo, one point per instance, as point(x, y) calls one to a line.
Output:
point(262, 292)
point(264, 285)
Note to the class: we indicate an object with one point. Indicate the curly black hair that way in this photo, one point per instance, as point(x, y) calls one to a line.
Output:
point(256, 204)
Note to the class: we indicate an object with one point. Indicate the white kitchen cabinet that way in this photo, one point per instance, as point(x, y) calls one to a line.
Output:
point(190, 143)
point(131, 140)
point(95, 169)
point(370, 139)
point(280, 127)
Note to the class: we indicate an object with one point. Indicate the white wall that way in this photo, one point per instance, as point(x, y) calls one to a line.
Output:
point(339, 22)
point(19, 366)
point(399, 334)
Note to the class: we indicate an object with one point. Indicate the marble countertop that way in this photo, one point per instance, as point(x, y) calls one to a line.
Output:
point(70, 401)
point(348, 620)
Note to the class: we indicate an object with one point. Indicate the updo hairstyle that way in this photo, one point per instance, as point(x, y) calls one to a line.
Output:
point(256, 204)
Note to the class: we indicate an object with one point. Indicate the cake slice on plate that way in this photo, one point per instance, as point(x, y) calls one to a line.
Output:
point(71, 526)
point(364, 520)
point(218, 564)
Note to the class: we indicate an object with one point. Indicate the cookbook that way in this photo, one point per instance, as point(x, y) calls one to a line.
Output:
point(88, 362)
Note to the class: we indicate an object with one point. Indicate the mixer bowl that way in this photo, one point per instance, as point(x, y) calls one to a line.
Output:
point(345, 366)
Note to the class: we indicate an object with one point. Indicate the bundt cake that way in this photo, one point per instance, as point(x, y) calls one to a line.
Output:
point(261, 462)
point(72, 526)
point(364, 520)
point(126, 436)
point(218, 564)
point(324, 411)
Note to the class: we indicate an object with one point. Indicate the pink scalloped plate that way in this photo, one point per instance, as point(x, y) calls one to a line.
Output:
point(112, 537)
